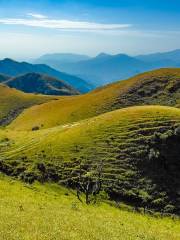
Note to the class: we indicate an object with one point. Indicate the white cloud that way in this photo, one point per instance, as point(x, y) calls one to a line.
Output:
point(36, 15)
point(39, 20)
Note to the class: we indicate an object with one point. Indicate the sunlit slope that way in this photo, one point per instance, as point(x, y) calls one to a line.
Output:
point(13, 102)
point(120, 139)
point(160, 87)
point(46, 212)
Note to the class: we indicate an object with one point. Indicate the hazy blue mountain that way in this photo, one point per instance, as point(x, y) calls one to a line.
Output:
point(14, 68)
point(3, 78)
point(40, 83)
point(56, 59)
point(105, 68)
point(172, 57)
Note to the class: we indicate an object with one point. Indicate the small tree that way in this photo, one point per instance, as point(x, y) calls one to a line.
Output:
point(88, 182)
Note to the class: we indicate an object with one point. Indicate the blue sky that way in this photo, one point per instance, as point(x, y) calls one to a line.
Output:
point(32, 28)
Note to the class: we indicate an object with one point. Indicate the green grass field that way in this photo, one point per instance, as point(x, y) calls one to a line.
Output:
point(49, 212)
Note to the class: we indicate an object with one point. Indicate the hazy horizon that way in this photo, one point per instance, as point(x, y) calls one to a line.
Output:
point(34, 28)
point(81, 53)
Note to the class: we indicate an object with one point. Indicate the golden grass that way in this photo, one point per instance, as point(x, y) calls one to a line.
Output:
point(73, 109)
point(13, 102)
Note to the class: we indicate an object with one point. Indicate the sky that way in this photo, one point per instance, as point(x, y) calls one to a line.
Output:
point(29, 29)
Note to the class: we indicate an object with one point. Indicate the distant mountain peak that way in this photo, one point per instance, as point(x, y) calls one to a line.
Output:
point(8, 60)
point(102, 55)
point(122, 55)
point(119, 55)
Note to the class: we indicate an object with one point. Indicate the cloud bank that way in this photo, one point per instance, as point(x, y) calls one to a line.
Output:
point(39, 20)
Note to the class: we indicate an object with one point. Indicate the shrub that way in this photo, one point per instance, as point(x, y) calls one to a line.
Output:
point(169, 208)
point(35, 128)
point(158, 202)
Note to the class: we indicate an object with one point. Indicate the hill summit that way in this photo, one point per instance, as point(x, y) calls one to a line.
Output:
point(40, 83)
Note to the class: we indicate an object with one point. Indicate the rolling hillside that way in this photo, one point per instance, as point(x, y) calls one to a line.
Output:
point(48, 211)
point(13, 102)
point(39, 83)
point(138, 146)
point(123, 140)
point(160, 87)
point(14, 68)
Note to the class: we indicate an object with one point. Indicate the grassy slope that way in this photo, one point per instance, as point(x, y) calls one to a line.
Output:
point(119, 138)
point(44, 212)
point(13, 102)
point(159, 87)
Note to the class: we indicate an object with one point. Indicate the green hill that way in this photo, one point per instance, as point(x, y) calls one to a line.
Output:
point(160, 87)
point(134, 171)
point(13, 102)
point(40, 83)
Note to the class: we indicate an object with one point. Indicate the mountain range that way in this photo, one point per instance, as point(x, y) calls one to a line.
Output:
point(106, 68)
point(13, 68)
point(172, 56)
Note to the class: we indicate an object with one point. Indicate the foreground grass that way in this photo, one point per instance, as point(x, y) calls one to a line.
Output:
point(48, 212)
